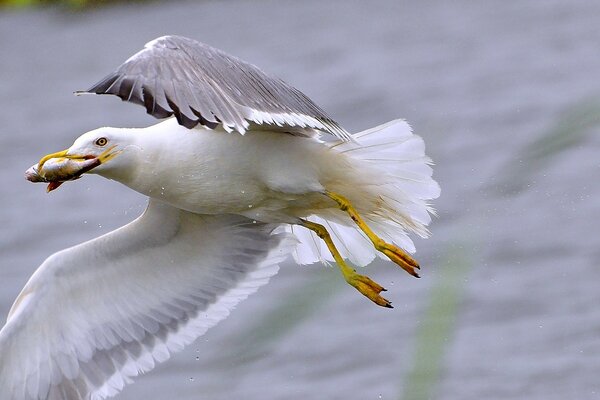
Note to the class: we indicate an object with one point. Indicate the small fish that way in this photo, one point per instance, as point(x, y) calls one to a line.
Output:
point(56, 171)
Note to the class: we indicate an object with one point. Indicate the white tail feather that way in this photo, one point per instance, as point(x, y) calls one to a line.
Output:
point(389, 182)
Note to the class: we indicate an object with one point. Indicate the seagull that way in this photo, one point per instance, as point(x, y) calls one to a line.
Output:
point(243, 171)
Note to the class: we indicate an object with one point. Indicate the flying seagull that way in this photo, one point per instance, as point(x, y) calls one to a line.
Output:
point(244, 170)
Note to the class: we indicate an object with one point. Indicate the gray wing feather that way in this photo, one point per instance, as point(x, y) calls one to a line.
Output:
point(200, 84)
point(95, 316)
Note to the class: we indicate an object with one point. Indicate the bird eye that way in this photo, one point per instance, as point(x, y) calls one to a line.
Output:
point(101, 141)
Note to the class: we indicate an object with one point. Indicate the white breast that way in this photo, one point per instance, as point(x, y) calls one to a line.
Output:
point(214, 172)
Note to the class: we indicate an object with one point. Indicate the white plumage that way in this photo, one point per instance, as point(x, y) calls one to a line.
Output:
point(242, 158)
point(98, 314)
point(387, 163)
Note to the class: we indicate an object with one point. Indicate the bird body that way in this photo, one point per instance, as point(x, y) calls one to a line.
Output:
point(246, 171)
point(213, 172)
point(274, 178)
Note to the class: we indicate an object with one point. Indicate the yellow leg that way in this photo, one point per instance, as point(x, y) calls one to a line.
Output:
point(363, 284)
point(394, 253)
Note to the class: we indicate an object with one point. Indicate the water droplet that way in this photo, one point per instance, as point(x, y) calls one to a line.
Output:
point(249, 205)
point(197, 358)
point(192, 379)
point(253, 221)
point(99, 225)
point(243, 191)
point(85, 222)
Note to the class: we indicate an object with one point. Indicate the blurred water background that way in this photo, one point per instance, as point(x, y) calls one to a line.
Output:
point(507, 97)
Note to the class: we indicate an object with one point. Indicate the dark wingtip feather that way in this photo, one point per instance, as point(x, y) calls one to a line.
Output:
point(182, 119)
point(203, 121)
point(152, 107)
point(199, 84)
point(125, 88)
point(102, 86)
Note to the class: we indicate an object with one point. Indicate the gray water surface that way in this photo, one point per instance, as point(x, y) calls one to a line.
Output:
point(507, 97)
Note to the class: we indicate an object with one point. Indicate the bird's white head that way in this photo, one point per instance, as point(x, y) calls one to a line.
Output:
point(103, 151)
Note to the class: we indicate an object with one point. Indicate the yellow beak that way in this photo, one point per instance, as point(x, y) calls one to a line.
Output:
point(63, 170)
point(106, 155)
point(58, 154)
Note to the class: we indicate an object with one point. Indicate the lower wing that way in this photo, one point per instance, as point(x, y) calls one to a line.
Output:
point(96, 315)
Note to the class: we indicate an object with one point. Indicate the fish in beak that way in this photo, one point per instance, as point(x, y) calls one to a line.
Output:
point(60, 167)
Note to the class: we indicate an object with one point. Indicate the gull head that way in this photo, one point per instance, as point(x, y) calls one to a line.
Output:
point(101, 151)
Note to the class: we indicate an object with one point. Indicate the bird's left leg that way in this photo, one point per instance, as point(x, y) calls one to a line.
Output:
point(396, 254)
point(363, 284)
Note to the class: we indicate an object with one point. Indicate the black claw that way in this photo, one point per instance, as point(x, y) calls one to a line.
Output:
point(383, 289)
point(389, 305)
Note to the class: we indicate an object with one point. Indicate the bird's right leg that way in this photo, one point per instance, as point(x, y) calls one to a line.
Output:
point(363, 284)
point(395, 253)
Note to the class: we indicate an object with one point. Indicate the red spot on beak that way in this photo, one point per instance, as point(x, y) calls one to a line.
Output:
point(53, 185)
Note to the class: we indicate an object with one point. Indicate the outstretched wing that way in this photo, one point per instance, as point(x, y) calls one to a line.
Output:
point(96, 315)
point(199, 84)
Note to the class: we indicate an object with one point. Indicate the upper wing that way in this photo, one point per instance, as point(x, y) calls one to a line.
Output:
point(94, 316)
point(199, 84)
